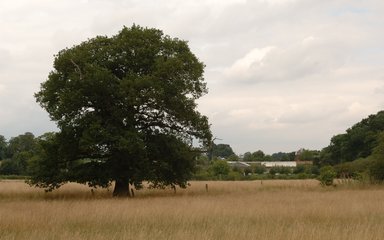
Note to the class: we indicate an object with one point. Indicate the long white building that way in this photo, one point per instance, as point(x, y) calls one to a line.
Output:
point(279, 164)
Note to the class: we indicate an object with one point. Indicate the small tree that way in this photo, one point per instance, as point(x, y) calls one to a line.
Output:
point(222, 150)
point(327, 175)
point(259, 169)
point(220, 168)
point(258, 155)
point(273, 170)
point(247, 157)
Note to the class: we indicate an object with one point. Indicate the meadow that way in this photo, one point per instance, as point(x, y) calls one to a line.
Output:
point(273, 209)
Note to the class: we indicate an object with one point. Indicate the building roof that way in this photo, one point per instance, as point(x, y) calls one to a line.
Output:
point(238, 164)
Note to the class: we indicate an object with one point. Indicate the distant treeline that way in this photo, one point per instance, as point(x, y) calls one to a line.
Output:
point(224, 151)
point(358, 153)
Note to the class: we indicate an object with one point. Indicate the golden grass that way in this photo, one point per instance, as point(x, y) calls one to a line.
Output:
point(285, 209)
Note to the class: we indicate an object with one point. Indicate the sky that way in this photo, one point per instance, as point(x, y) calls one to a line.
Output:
point(282, 74)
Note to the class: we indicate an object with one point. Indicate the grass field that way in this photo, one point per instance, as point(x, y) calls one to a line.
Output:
point(286, 209)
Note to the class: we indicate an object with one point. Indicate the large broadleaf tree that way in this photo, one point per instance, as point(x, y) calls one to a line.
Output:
point(126, 111)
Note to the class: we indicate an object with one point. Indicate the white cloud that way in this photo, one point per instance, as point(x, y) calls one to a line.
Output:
point(310, 56)
point(277, 2)
point(5, 59)
point(244, 66)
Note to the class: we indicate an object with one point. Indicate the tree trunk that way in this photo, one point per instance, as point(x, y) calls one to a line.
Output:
point(121, 188)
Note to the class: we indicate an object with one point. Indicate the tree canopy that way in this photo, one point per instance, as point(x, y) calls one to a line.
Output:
point(222, 150)
point(126, 109)
point(16, 153)
point(357, 142)
point(3, 147)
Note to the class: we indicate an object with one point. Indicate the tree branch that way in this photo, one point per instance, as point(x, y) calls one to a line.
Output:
point(77, 69)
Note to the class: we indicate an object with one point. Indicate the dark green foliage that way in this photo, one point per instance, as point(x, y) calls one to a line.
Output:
point(49, 166)
point(233, 157)
point(327, 175)
point(126, 110)
point(299, 169)
point(281, 156)
point(354, 169)
point(220, 168)
point(174, 164)
point(376, 168)
point(259, 169)
point(3, 147)
point(222, 151)
point(260, 156)
point(315, 170)
point(358, 141)
point(18, 152)
point(370, 168)
point(306, 169)
point(22, 143)
point(247, 157)
point(273, 170)
point(285, 170)
point(9, 167)
point(248, 171)
point(360, 151)
point(308, 155)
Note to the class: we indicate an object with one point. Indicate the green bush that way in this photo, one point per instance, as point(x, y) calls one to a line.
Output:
point(299, 169)
point(247, 171)
point(315, 170)
point(303, 176)
point(259, 169)
point(327, 175)
point(235, 176)
point(202, 174)
point(220, 169)
point(376, 171)
point(273, 171)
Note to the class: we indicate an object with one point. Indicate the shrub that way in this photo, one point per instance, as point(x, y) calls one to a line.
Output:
point(273, 170)
point(259, 169)
point(220, 168)
point(376, 171)
point(247, 171)
point(327, 175)
point(234, 176)
point(315, 170)
point(299, 169)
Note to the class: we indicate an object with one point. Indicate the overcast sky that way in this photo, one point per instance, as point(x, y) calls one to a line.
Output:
point(282, 74)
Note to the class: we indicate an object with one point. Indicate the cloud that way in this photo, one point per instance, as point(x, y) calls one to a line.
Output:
point(245, 66)
point(308, 57)
point(277, 2)
point(282, 74)
point(5, 58)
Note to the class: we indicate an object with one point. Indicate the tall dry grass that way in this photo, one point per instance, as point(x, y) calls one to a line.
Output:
point(229, 210)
